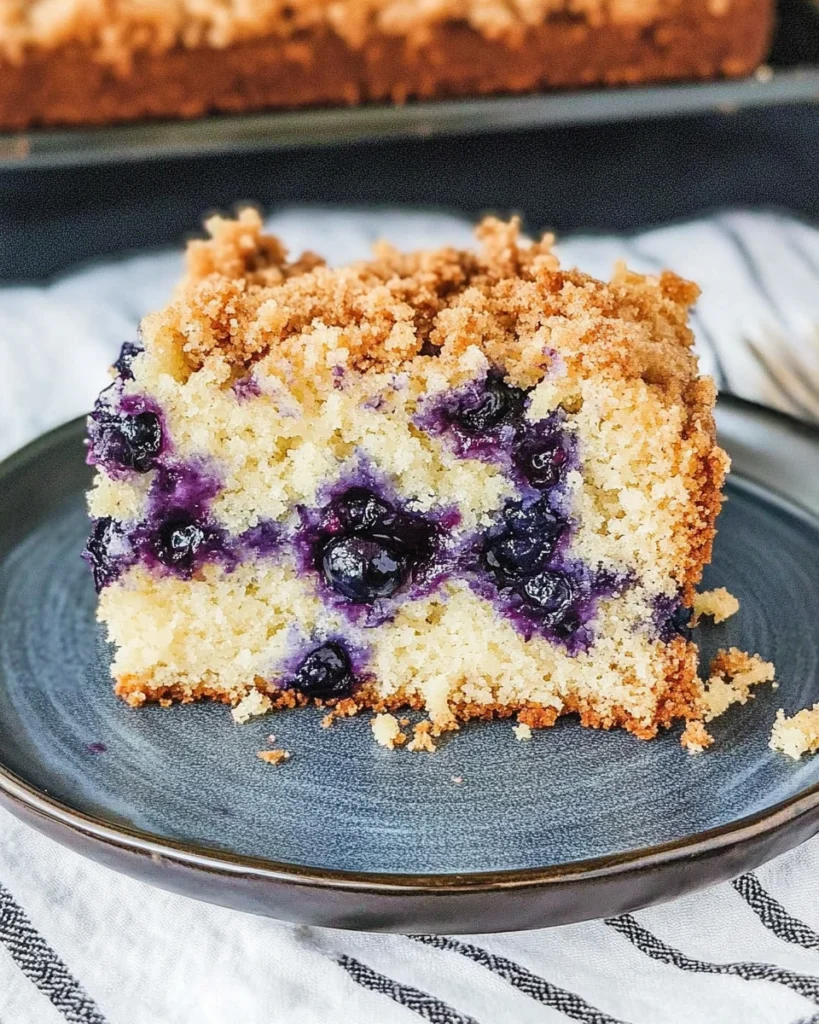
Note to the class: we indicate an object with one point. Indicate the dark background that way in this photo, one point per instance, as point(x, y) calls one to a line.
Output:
point(610, 176)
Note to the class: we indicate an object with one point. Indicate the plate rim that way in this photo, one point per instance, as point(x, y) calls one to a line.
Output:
point(26, 801)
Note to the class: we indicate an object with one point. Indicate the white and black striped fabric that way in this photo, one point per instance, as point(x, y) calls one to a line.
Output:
point(83, 945)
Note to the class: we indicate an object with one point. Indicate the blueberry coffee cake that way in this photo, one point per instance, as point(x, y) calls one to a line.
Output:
point(473, 483)
point(104, 61)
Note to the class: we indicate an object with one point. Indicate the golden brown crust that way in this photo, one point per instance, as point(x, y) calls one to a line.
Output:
point(679, 700)
point(76, 74)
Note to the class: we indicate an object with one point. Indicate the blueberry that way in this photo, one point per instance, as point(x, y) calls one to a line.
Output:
point(103, 551)
point(551, 593)
point(523, 541)
point(495, 404)
point(127, 355)
point(362, 568)
point(129, 441)
point(409, 537)
point(325, 672)
point(513, 555)
point(178, 540)
point(541, 462)
point(360, 509)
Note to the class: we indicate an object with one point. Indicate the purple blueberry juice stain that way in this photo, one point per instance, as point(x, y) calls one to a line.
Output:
point(482, 419)
point(177, 534)
point(246, 387)
point(184, 486)
point(670, 618)
point(96, 748)
point(262, 540)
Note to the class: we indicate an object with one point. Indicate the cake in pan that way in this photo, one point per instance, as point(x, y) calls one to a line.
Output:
point(74, 62)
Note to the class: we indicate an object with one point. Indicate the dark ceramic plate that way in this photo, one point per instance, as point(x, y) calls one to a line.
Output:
point(571, 825)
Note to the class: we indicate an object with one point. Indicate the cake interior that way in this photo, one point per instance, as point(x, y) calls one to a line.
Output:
point(474, 483)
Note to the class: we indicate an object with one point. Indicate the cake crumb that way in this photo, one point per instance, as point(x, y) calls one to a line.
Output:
point(731, 676)
point(403, 721)
point(273, 756)
point(719, 604)
point(458, 779)
point(797, 735)
point(696, 738)
point(522, 731)
point(165, 702)
point(422, 739)
point(344, 709)
point(387, 731)
point(255, 703)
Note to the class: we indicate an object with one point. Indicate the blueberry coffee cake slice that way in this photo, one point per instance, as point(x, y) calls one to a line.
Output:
point(473, 483)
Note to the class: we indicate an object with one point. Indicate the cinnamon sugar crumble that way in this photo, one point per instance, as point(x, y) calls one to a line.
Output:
point(346, 708)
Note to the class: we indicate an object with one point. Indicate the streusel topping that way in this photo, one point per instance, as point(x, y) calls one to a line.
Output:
point(115, 30)
point(242, 301)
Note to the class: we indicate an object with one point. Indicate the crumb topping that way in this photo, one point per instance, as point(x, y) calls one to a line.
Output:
point(116, 30)
point(732, 674)
point(522, 731)
point(719, 604)
point(798, 734)
point(511, 301)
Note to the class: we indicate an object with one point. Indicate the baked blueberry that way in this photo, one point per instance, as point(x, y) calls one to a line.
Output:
point(363, 568)
point(178, 540)
point(325, 672)
point(360, 509)
point(129, 441)
point(552, 594)
point(541, 461)
point(494, 404)
point(104, 551)
point(366, 548)
point(127, 354)
point(522, 542)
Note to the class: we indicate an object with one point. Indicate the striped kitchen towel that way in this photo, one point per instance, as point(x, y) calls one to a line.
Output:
point(82, 944)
